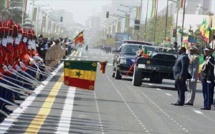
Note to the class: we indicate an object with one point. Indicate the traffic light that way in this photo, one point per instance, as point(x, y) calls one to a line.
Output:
point(137, 24)
point(174, 32)
point(61, 19)
point(137, 27)
point(107, 14)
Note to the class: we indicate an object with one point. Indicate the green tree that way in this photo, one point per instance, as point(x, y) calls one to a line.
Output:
point(148, 34)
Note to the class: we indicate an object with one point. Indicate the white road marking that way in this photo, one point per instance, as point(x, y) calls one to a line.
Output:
point(80, 53)
point(8, 122)
point(110, 64)
point(98, 111)
point(66, 115)
point(132, 112)
point(150, 84)
point(198, 112)
point(195, 112)
point(168, 94)
point(158, 89)
point(162, 111)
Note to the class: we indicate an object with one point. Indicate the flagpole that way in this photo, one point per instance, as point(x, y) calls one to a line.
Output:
point(155, 21)
point(184, 5)
point(167, 6)
point(146, 19)
point(140, 13)
point(176, 36)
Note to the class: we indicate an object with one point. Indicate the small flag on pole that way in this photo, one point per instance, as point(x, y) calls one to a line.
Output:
point(154, 8)
point(81, 74)
point(79, 38)
point(181, 3)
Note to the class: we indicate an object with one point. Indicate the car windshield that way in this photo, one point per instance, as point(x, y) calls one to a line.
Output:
point(166, 50)
point(149, 48)
point(130, 49)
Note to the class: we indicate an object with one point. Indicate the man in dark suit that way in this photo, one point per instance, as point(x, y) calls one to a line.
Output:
point(207, 75)
point(180, 73)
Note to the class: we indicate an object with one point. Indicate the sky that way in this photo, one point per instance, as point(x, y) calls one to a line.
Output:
point(81, 9)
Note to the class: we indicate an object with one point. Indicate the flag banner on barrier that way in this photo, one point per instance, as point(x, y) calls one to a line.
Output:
point(81, 74)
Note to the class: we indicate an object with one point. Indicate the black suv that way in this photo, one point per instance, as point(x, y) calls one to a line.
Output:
point(124, 58)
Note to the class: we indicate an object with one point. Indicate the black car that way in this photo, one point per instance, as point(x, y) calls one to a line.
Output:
point(156, 67)
point(124, 58)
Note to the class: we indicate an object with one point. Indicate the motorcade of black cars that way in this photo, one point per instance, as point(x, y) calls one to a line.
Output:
point(124, 57)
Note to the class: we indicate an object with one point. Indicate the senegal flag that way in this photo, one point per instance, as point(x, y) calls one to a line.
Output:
point(79, 38)
point(81, 74)
point(181, 3)
point(154, 8)
point(205, 31)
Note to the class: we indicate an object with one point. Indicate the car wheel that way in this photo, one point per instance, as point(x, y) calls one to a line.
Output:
point(114, 70)
point(117, 74)
point(113, 74)
point(137, 77)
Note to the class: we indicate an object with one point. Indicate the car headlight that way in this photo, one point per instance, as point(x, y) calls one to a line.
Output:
point(122, 61)
point(148, 62)
point(132, 60)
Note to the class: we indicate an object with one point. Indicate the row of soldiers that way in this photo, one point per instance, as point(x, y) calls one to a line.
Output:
point(20, 63)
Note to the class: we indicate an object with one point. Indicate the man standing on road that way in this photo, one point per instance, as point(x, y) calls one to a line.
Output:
point(207, 74)
point(193, 70)
point(180, 73)
point(86, 48)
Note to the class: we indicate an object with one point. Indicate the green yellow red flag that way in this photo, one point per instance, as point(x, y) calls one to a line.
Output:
point(6, 3)
point(204, 30)
point(181, 3)
point(154, 8)
point(138, 12)
point(79, 38)
point(81, 74)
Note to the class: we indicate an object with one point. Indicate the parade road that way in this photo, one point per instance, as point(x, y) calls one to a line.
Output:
point(115, 107)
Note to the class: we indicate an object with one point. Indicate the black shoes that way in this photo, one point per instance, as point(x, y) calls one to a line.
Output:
point(176, 104)
point(190, 104)
point(204, 108)
point(8, 111)
point(19, 98)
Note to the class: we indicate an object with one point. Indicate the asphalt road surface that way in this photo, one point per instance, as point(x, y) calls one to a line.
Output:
point(115, 107)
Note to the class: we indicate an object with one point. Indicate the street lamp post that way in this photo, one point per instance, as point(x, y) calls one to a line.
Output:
point(39, 10)
point(208, 12)
point(155, 21)
point(184, 5)
point(127, 14)
point(176, 24)
point(146, 20)
point(167, 6)
point(126, 17)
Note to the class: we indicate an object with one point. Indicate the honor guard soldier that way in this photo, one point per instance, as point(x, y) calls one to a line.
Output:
point(207, 74)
